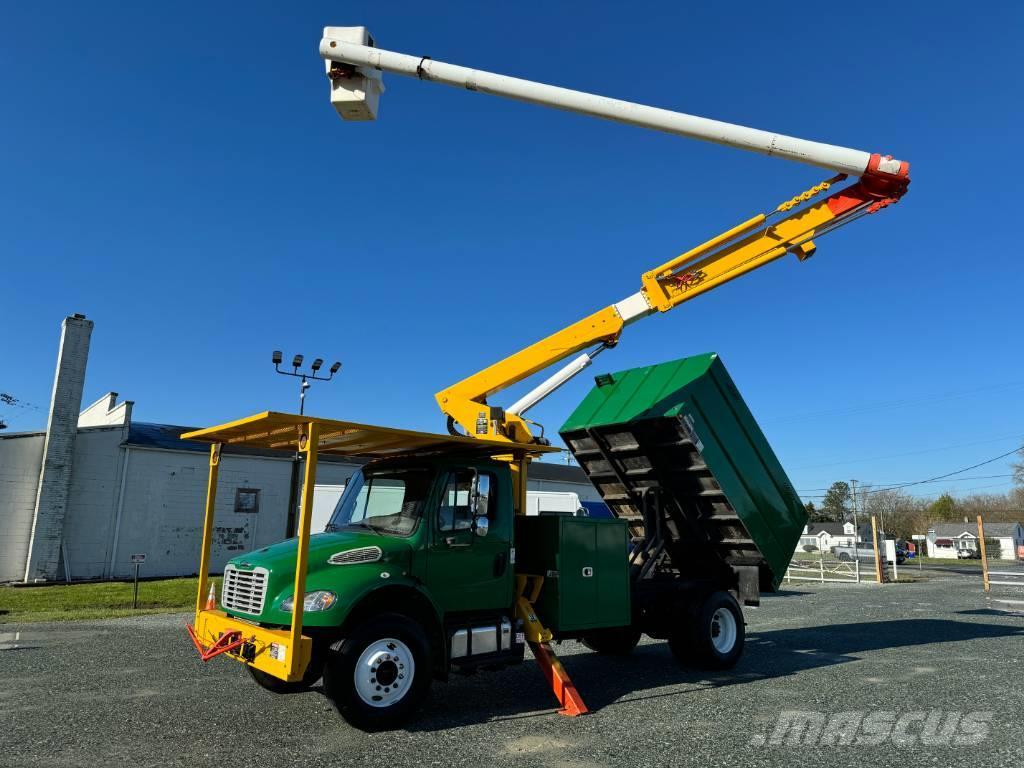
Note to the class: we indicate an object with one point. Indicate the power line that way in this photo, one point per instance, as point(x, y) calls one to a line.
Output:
point(897, 485)
point(966, 490)
point(8, 399)
point(947, 475)
point(890, 404)
point(862, 459)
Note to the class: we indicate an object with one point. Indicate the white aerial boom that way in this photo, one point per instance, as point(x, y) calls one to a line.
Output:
point(354, 65)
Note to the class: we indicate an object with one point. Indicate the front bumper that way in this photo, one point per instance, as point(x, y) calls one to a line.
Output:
point(290, 663)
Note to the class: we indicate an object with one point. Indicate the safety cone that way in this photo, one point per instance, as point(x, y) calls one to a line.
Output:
point(211, 600)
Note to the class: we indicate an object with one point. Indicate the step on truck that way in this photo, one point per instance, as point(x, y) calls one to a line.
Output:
point(456, 576)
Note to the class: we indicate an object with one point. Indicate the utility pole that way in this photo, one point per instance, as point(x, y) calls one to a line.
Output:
point(856, 529)
point(306, 377)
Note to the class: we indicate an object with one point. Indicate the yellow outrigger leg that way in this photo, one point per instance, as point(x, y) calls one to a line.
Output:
point(539, 638)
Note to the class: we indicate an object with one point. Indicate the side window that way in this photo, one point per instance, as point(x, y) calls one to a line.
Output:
point(454, 513)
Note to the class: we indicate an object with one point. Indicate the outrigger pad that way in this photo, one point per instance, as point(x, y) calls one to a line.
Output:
point(558, 679)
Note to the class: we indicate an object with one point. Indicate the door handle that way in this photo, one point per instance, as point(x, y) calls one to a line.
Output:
point(500, 563)
point(453, 543)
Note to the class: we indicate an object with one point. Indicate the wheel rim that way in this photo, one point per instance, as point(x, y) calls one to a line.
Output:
point(723, 630)
point(384, 672)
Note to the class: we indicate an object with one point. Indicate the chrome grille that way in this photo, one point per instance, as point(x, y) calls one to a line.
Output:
point(244, 591)
point(359, 555)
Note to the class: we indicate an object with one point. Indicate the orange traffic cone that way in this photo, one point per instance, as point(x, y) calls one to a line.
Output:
point(211, 601)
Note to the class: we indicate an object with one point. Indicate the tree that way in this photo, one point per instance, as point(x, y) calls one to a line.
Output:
point(835, 506)
point(893, 509)
point(815, 515)
point(943, 508)
point(1018, 468)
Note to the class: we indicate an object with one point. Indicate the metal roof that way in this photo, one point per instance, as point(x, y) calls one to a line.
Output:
point(833, 529)
point(958, 529)
point(281, 432)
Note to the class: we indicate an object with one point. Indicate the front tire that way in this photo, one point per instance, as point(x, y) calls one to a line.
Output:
point(714, 636)
point(380, 674)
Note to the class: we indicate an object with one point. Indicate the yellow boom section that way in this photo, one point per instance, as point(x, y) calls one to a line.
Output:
point(790, 228)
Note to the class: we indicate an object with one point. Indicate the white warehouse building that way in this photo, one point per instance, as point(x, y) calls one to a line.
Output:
point(78, 499)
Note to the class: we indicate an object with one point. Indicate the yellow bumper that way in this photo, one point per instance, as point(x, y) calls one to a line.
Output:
point(290, 663)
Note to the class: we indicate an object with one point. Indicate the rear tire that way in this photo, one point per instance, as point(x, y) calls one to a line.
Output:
point(714, 636)
point(380, 673)
point(615, 641)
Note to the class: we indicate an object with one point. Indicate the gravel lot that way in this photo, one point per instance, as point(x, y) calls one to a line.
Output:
point(133, 692)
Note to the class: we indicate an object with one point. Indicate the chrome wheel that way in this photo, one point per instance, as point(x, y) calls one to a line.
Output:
point(384, 672)
point(723, 630)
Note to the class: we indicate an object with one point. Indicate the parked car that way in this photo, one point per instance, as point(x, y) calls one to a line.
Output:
point(864, 552)
point(966, 553)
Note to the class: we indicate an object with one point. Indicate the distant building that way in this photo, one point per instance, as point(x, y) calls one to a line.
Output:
point(79, 498)
point(1004, 541)
point(821, 537)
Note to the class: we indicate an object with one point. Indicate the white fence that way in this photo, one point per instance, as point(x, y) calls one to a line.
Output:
point(1005, 578)
point(821, 570)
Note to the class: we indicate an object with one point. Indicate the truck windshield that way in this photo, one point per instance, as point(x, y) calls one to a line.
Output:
point(388, 502)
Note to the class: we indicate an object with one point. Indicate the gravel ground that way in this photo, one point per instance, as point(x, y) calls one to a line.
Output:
point(133, 692)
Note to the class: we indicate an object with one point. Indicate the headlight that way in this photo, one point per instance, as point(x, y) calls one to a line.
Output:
point(320, 600)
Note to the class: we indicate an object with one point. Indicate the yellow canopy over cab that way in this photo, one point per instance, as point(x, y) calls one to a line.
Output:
point(281, 432)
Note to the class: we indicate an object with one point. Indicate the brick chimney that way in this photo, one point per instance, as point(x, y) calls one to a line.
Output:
point(43, 561)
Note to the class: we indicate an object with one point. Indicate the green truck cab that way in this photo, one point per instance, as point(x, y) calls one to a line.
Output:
point(414, 578)
point(429, 567)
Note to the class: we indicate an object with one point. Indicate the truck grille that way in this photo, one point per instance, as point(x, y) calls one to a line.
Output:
point(244, 591)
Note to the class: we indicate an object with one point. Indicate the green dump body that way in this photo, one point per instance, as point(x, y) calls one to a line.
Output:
point(682, 428)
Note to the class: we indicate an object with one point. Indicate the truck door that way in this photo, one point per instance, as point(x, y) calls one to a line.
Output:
point(467, 572)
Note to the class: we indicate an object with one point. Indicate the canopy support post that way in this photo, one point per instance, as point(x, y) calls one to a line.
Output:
point(309, 442)
point(211, 503)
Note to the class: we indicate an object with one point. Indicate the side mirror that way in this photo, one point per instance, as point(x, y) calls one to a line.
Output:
point(479, 496)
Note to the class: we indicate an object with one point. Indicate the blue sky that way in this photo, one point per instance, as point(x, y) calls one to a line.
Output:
point(177, 174)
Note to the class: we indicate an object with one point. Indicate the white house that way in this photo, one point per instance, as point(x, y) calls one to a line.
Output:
point(821, 537)
point(1004, 541)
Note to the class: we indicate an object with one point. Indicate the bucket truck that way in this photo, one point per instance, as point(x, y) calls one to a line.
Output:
point(430, 565)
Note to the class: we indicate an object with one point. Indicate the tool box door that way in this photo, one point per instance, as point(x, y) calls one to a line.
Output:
point(577, 575)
